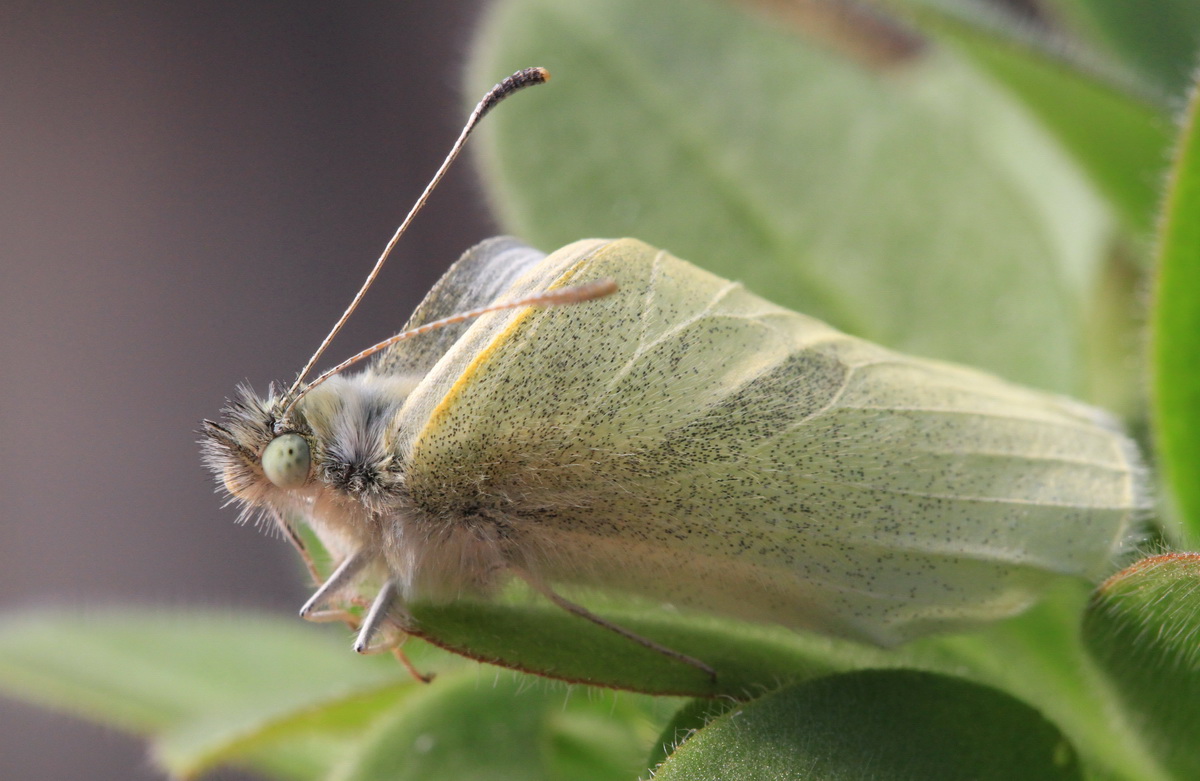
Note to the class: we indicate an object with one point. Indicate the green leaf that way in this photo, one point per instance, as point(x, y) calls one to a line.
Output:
point(1143, 627)
point(879, 724)
point(212, 690)
point(208, 689)
point(688, 720)
point(538, 637)
point(1119, 137)
point(604, 734)
point(1158, 40)
point(916, 205)
point(1175, 352)
point(300, 745)
point(472, 726)
point(1039, 657)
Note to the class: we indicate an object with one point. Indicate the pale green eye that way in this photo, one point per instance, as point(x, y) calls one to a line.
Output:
point(285, 461)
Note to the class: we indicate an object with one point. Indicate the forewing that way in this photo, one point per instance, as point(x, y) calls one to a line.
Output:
point(475, 280)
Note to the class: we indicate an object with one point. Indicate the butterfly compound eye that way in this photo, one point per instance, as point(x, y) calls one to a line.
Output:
point(285, 460)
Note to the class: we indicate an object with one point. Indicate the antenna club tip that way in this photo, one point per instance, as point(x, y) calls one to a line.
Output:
point(526, 77)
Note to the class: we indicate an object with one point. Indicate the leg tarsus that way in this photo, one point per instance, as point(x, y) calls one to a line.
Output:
point(375, 618)
point(332, 615)
point(340, 577)
point(398, 652)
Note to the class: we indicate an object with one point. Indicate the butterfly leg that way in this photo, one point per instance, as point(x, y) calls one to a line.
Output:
point(582, 612)
point(393, 637)
point(338, 579)
point(403, 659)
point(377, 620)
point(341, 577)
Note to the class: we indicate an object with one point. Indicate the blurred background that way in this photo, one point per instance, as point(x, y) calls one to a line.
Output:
point(190, 193)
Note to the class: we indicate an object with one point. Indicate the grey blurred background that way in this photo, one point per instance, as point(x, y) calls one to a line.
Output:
point(189, 195)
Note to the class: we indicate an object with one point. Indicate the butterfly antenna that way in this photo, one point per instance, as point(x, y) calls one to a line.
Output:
point(517, 81)
point(575, 294)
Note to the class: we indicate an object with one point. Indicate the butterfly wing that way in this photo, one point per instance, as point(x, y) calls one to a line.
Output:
point(686, 440)
point(475, 280)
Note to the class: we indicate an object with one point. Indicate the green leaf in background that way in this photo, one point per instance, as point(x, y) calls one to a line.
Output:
point(293, 701)
point(1120, 138)
point(304, 744)
point(207, 689)
point(1175, 351)
point(882, 724)
point(1143, 628)
point(1157, 39)
point(916, 205)
point(484, 724)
